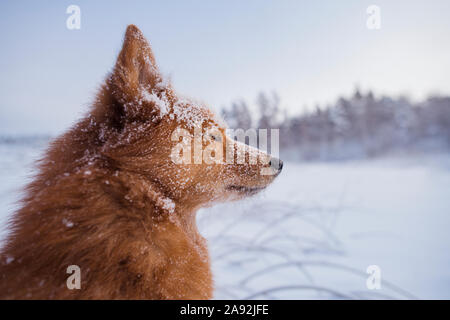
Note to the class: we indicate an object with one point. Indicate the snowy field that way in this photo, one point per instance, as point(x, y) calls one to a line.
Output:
point(313, 233)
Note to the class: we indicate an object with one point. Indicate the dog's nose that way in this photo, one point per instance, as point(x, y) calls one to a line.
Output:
point(276, 163)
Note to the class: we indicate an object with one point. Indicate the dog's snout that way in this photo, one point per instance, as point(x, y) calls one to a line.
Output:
point(276, 163)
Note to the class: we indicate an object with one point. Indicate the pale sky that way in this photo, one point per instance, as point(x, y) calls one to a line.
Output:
point(310, 52)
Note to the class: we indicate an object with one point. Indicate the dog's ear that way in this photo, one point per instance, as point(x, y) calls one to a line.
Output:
point(135, 73)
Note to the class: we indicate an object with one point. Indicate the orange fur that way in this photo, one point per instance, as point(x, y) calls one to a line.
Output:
point(131, 209)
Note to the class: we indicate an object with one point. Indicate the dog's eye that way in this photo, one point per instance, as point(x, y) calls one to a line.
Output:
point(216, 137)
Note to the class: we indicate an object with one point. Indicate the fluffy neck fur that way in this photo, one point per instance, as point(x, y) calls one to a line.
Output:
point(115, 225)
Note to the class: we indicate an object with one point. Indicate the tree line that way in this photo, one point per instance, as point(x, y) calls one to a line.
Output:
point(359, 126)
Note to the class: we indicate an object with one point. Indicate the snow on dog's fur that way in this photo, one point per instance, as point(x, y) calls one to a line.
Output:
point(110, 199)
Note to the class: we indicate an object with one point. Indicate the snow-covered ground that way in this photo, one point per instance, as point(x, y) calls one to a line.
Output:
point(314, 232)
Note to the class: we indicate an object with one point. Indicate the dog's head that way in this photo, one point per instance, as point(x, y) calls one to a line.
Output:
point(176, 144)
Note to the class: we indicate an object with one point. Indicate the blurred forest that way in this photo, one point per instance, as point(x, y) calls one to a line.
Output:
point(360, 126)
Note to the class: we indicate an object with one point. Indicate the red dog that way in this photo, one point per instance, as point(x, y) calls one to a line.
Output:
point(110, 199)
